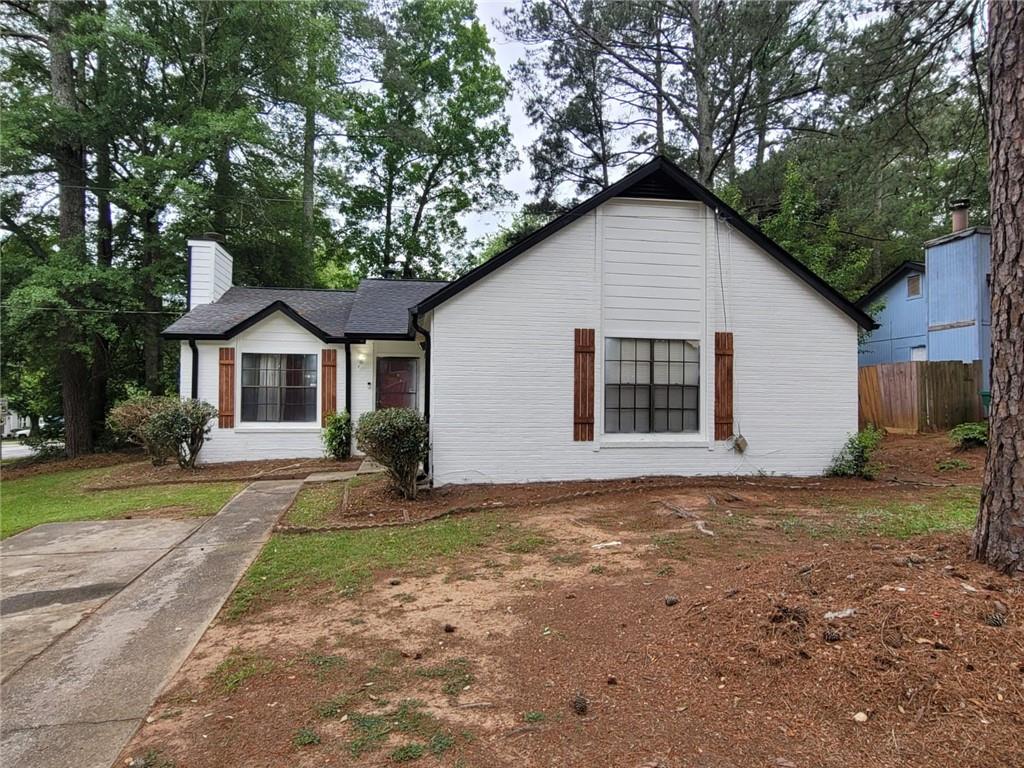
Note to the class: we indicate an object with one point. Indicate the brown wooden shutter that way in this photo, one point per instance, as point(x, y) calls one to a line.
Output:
point(226, 395)
point(328, 383)
point(723, 385)
point(583, 386)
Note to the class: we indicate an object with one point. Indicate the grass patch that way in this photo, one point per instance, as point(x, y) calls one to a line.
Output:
point(372, 730)
point(455, 673)
point(408, 752)
point(324, 663)
point(305, 737)
point(526, 544)
point(952, 511)
point(57, 497)
point(315, 503)
point(238, 667)
point(336, 706)
point(347, 559)
point(951, 465)
point(534, 716)
point(567, 558)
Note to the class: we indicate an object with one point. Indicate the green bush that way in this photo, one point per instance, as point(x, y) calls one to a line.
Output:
point(396, 438)
point(128, 421)
point(185, 425)
point(972, 434)
point(337, 435)
point(854, 460)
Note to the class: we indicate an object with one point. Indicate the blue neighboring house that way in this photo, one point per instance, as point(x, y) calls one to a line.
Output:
point(936, 309)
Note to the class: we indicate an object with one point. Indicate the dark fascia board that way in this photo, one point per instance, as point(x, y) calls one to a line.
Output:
point(698, 192)
point(276, 306)
point(894, 274)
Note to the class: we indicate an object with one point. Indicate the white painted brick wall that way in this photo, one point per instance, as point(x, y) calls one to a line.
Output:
point(279, 334)
point(211, 271)
point(502, 378)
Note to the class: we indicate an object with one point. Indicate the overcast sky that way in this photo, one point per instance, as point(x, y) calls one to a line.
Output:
point(507, 52)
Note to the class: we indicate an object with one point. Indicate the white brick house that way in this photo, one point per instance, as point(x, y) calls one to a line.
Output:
point(587, 350)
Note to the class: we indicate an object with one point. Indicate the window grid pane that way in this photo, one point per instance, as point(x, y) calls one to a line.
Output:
point(651, 385)
point(278, 387)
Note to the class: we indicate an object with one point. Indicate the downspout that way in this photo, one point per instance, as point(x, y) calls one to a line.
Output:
point(195, 368)
point(348, 393)
point(426, 387)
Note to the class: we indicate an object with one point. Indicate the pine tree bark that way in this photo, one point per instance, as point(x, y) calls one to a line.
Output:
point(999, 531)
point(69, 159)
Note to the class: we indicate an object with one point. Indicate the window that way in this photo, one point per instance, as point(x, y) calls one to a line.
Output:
point(278, 387)
point(396, 382)
point(651, 385)
point(913, 286)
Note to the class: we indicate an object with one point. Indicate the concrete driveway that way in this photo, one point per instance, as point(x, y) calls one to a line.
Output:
point(12, 450)
point(96, 617)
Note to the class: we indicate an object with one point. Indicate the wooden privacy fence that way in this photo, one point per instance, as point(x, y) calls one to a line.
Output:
point(920, 397)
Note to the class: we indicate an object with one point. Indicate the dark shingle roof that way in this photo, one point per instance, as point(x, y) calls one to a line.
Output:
point(382, 306)
point(378, 308)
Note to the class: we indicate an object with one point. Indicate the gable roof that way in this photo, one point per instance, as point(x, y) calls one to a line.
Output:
point(377, 309)
point(883, 284)
point(660, 178)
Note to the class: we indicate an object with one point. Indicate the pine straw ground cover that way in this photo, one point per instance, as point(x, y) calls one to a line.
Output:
point(508, 638)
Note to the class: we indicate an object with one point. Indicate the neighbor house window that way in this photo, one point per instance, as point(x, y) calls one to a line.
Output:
point(651, 385)
point(278, 387)
point(913, 286)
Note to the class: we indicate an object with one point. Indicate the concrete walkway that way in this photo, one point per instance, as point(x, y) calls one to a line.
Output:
point(80, 699)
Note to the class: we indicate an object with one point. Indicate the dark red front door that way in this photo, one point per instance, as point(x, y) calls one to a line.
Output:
point(396, 382)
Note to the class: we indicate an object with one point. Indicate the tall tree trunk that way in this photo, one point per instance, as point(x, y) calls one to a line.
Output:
point(151, 301)
point(308, 182)
point(659, 91)
point(222, 188)
point(999, 532)
point(701, 82)
point(69, 159)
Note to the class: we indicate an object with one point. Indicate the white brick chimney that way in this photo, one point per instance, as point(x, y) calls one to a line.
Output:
point(209, 269)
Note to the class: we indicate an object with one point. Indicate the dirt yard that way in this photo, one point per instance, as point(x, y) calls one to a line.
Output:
point(726, 622)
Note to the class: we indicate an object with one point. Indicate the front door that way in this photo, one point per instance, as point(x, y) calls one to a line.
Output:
point(396, 382)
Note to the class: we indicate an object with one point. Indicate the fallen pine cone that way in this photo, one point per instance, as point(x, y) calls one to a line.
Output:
point(580, 704)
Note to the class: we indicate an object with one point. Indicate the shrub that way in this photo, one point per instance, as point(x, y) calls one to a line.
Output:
point(854, 460)
point(972, 434)
point(396, 438)
point(128, 420)
point(185, 425)
point(337, 435)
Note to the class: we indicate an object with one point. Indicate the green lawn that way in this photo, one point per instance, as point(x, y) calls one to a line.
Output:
point(314, 503)
point(952, 511)
point(347, 559)
point(58, 497)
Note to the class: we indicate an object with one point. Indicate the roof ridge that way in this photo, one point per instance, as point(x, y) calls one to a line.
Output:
point(286, 288)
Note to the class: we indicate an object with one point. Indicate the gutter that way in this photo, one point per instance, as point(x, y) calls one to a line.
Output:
point(426, 385)
point(348, 394)
point(195, 368)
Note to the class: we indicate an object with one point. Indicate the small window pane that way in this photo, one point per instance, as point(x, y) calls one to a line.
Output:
point(611, 373)
point(689, 421)
point(691, 352)
point(675, 373)
point(690, 397)
point(611, 396)
point(629, 349)
point(675, 397)
point(611, 349)
point(661, 373)
point(611, 420)
point(661, 350)
point(628, 372)
point(660, 420)
point(660, 397)
point(675, 421)
point(642, 397)
point(626, 397)
point(643, 421)
point(643, 373)
point(677, 351)
point(692, 375)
